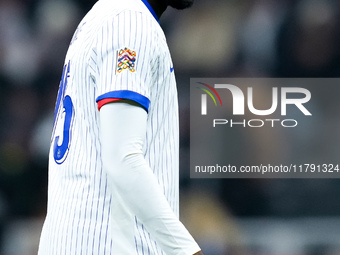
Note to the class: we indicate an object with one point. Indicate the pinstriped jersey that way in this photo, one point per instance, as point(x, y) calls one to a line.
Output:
point(118, 51)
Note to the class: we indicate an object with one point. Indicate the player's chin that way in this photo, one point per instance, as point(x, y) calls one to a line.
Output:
point(181, 4)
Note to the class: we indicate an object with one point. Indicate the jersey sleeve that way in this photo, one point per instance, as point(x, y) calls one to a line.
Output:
point(125, 57)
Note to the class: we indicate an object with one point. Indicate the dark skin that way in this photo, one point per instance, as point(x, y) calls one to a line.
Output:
point(159, 6)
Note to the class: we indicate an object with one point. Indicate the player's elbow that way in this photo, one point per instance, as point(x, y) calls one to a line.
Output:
point(124, 159)
point(126, 172)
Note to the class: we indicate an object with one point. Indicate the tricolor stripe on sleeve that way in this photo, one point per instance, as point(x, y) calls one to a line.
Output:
point(105, 101)
point(123, 94)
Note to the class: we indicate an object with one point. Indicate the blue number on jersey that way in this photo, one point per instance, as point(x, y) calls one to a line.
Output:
point(60, 152)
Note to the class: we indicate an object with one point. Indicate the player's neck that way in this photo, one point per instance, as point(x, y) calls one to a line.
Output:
point(159, 6)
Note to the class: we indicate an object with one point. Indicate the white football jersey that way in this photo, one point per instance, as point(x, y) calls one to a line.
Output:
point(118, 51)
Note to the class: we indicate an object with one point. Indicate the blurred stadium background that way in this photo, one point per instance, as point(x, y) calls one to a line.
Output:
point(216, 38)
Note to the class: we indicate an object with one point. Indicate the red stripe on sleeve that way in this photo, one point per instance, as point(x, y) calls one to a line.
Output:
point(106, 101)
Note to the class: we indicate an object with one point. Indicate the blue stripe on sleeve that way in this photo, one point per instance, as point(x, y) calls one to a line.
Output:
point(127, 94)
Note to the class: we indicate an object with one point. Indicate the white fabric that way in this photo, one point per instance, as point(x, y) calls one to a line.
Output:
point(81, 210)
point(123, 128)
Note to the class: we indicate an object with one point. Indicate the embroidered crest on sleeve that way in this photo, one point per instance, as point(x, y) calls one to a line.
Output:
point(126, 60)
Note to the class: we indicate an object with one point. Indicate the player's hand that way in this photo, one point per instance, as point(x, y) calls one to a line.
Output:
point(199, 253)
